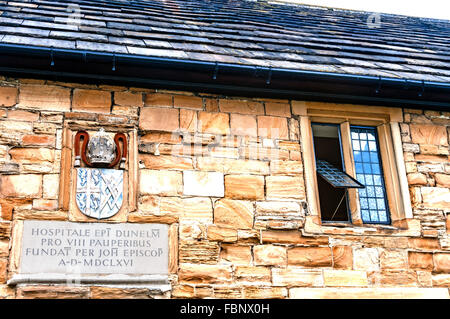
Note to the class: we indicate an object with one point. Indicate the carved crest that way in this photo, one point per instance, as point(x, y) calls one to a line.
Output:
point(99, 186)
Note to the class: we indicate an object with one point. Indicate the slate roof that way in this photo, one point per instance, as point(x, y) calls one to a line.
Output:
point(244, 32)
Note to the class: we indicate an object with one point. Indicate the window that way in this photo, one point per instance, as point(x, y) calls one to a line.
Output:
point(354, 167)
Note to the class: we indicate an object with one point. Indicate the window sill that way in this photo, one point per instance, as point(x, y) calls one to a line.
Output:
point(406, 227)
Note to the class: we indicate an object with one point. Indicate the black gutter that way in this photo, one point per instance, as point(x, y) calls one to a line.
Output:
point(219, 78)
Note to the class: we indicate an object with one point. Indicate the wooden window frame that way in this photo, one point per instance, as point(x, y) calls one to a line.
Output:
point(386, 120)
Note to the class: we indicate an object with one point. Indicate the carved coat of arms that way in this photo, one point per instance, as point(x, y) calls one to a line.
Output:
point(99, 185)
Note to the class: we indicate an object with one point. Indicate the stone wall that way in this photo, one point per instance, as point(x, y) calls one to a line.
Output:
point(227, 174)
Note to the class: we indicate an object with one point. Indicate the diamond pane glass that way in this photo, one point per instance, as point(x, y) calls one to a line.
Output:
point(373, 199)
point(334, 176)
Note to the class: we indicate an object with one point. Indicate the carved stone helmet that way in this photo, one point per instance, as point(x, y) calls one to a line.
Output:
point(101, 148)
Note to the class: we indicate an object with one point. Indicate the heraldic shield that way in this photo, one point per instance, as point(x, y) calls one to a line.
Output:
point(99, 192)
point(99, 185)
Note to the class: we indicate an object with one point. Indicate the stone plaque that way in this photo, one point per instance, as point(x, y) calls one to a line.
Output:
point(56, 250)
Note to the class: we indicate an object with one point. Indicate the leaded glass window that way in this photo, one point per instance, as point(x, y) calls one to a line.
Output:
point(366, 154)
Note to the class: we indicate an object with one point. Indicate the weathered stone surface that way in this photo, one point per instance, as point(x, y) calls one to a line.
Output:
point(188, 120)
point(297, 277)
point(263, 153)
point(52, 292)
point(119, 293)
point(232, 166)
point(38, 140)
point(442, 180)
point(166, 162)
point(203, 183)
point(223, 234)
point(215, 123)
point(273, 127)
point(167, 183)
point(243, 125)
point(366, 259)
point(264, 293)
point(428, 134)
point(21, 186)
point(441, 280)
point(393, 259)
point(436, 197)
point(249, 187)
point(283, 187)
point(252, 274)
point(8, 96)
point(236, 254)
point(342, 257)
point(292, 237)
point(420, 261)
point(394, 278)
point(128, 99)
point(198, 252)
point(189, 102)
point(200, 274)
point(269, 255)
point(241, 107)
point(45, 204)
point(368, 293)
point(417, 179)
point(236, 214)
point(32, 154)
point(278, 109)
point(441, 262)
point(344, 278)
point(159, 119)
point(44, 97)
point(286, 167)
point(158, 99)
point(310, 256)
point(91, 101)
point(423, 243)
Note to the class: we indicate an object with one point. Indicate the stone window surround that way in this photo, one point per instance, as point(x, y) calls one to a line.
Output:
point(387, 122)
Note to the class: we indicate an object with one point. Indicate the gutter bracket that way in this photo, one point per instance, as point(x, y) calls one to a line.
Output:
point(216, 70)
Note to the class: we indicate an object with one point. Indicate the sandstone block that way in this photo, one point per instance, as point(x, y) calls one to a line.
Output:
point(292, 237)
point(393, 259)
point(249, 187)
point(435, 197)
point(241, 106)
point(8, 96)
point(417, 179)
point(366, 259)
point(96, 101)
point(188, 120)
point(344, 278)
point(128, 99)
point(236, 214)
point(297, 277)
point(441, 280)
point(441, 262)
point(232, 166)
point(119, 293)
point(45, 204)
point(48, 97)
point(189, 102)
point(283, 187)
point(21, 186)
point(264, 293)
point(394, 278)
point(165, 162)
point(428, 134)
point(423, 243)
point(273, 127)
point(420, 261)
point(286, 167)
point(158, 99)
point(193, 209)
point(442, 180)
point(243, 125)
point(32, 154)
point(252, 274)
point(200, 274)
point(310, 256)
point(38, 140)
point(159, 119)
point(342, 257)
point(203, 183)
point(223, 234)
point(269, 255)
point(166, 183)
point(236, 254)
point(214, 123)
point(278, 109)
point(198, 252)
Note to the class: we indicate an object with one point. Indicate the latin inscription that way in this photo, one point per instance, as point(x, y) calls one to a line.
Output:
point(94, 248)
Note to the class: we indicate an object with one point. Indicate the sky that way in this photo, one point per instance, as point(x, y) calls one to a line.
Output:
point(437, 9)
